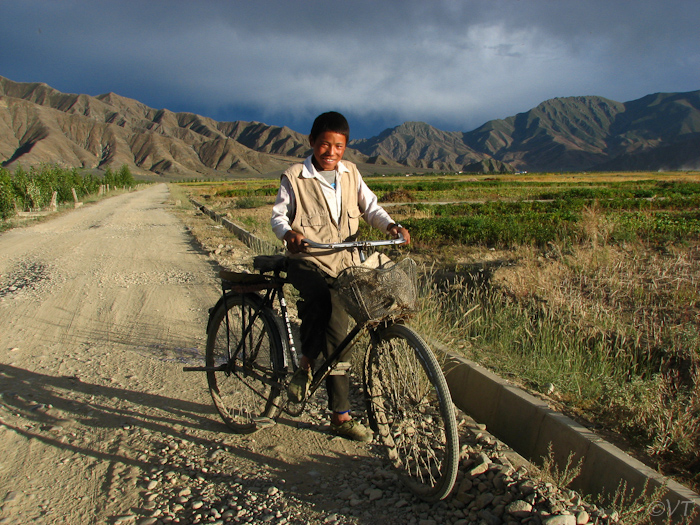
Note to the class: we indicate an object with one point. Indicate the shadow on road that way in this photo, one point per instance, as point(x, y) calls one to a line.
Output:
point(120, 426)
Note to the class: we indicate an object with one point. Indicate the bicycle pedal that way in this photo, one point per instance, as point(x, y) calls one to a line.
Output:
point(340, 369)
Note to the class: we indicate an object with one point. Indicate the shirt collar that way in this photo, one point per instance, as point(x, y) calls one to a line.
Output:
point(310, 171)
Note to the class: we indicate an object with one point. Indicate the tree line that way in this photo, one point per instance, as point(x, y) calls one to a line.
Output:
point(33, 189)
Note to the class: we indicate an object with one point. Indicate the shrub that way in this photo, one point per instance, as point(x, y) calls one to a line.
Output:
point(33, 189)
point(249, 202)
point(399, 195)
point(20, 180)
point(7, 195)
point(121, 179)
point(249, 192)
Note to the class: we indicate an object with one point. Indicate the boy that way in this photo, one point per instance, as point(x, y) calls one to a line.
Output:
point(322, 199)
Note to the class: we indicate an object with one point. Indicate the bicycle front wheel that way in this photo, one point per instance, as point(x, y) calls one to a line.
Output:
point(244, 344)
point(411, 409)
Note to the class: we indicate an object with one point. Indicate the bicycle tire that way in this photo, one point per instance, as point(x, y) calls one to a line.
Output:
point(244, 402)
point(411, 409)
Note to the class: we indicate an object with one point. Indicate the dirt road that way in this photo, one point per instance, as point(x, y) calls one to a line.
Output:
point(99, 309)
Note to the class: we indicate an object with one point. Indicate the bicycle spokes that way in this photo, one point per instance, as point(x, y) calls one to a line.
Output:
point(410, 405)
point(249, 339)
point(242, 348)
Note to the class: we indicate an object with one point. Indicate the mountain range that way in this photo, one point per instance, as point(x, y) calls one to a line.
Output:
point(39, 124)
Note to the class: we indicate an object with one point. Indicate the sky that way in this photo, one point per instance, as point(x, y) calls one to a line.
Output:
point(454, 64)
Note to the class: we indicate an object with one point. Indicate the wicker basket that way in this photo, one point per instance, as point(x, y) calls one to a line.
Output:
point(377, 294)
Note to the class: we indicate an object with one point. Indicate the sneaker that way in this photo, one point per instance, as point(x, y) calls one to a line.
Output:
point(299, 385)
point(354, 430)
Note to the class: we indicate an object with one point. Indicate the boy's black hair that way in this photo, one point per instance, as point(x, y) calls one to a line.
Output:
point(330, 121)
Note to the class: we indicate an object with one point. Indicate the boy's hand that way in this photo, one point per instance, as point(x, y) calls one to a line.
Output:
point(395, 229)
point(294, 241)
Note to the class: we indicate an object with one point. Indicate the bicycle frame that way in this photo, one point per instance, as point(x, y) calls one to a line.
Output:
point(274, 290)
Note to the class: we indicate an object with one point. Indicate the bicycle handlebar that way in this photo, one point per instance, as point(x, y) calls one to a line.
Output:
point(354, 244)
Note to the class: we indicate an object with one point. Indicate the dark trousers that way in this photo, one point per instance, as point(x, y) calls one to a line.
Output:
point(324, 323)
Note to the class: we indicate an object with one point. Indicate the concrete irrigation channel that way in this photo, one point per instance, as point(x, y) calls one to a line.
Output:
point(531, 427)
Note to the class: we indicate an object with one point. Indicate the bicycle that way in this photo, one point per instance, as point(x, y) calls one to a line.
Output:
point(250, 357)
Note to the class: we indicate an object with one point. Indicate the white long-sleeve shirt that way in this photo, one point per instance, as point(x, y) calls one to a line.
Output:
point(285, 205)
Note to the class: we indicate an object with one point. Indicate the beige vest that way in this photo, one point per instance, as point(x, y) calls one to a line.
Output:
point(313, 219)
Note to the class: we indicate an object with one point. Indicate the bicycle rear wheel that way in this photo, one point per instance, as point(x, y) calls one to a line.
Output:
point(411, 409)
point(243, 388)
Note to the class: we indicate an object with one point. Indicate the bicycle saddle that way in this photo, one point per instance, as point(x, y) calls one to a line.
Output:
point(270, 263)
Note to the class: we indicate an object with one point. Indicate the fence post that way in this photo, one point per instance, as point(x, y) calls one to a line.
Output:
point(54, 201)
point(76, 204)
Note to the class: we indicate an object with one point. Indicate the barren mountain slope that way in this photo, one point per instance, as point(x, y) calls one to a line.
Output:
point(420, 145)
point(40, 124)
point(578, 133)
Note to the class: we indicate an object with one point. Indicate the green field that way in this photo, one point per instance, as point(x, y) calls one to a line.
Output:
point(583, 287)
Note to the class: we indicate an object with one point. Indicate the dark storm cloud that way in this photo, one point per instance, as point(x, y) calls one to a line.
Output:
point(454, 64)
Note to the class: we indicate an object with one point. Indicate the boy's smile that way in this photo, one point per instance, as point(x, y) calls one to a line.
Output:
point(328, 150)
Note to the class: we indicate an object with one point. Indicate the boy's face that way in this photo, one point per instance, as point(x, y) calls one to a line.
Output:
point(328, 150)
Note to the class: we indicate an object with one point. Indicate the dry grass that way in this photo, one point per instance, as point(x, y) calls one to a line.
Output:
point(616, 329)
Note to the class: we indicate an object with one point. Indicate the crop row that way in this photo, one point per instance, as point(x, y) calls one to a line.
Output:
point(540, 227)
point(455, 190)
